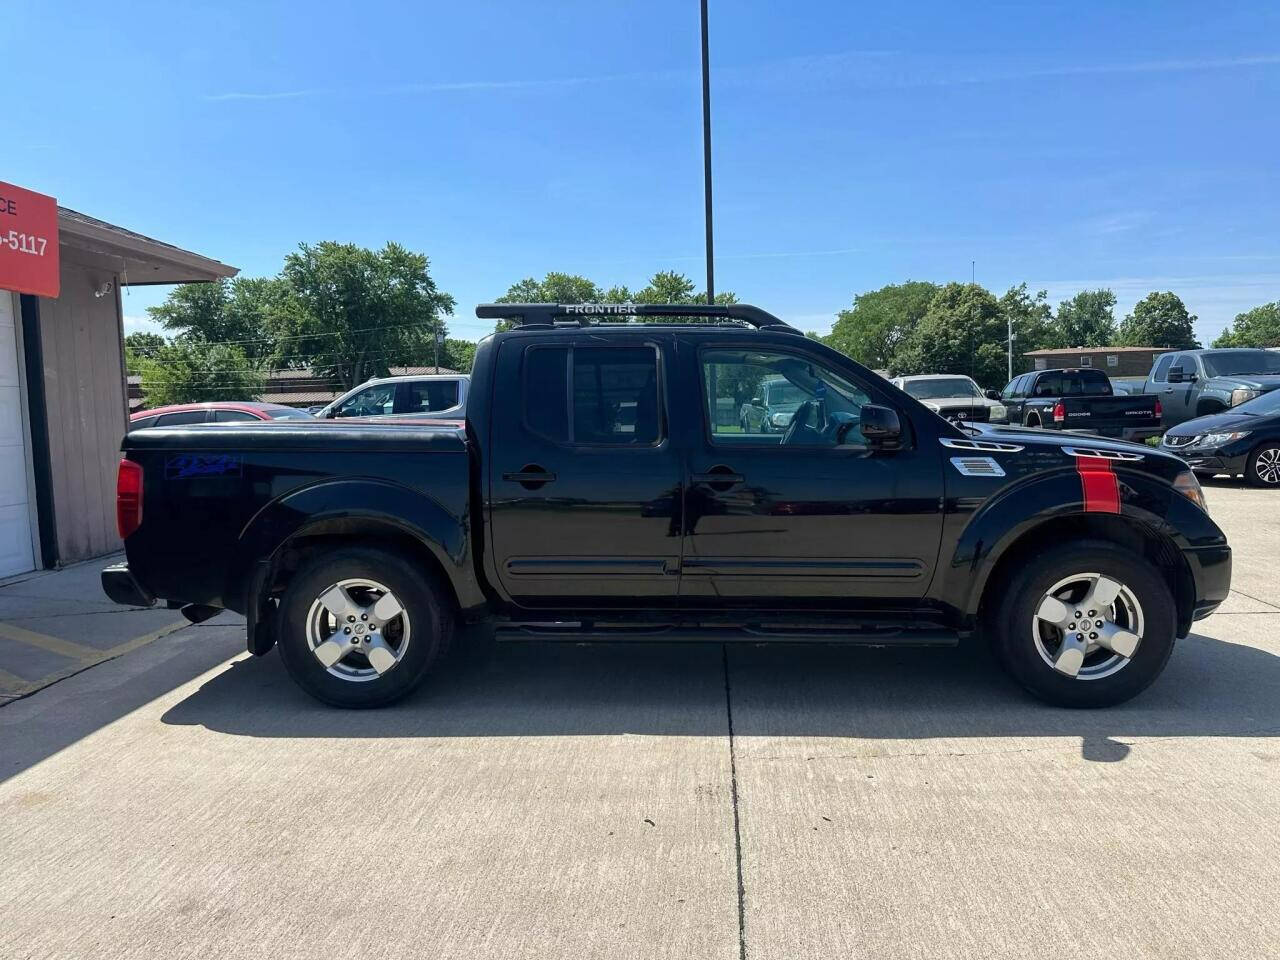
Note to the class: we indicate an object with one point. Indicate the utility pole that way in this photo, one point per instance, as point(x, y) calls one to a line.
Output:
point(439, 338)
point(706, 154)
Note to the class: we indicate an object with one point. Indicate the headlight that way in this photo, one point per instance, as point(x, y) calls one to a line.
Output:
point(1187, 485)
point(1243, 394)
point(780, 419)
point(999, 411)
point(1218, 439)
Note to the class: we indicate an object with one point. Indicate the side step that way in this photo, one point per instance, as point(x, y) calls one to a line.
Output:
point(878, 635)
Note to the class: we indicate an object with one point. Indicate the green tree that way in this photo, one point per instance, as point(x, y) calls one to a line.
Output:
point(1032, 321)
point(1259, 327)
point(1159, 320)
point(962, 331)
point(238, 311)
point(187, 372)
point(1086, 320)
point(350, 313)
point(458, 355)
point(880, 321)
point(138, 345)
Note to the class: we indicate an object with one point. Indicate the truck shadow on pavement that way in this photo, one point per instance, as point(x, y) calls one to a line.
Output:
point(1211, 688)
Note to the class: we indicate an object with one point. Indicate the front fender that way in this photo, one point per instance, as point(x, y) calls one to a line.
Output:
point(347, 504)
point(1146, 502)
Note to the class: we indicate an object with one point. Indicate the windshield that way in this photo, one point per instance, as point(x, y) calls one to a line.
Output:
point(1263, 406)
point(1230, 363)
point(781, 393)
point(940, 387)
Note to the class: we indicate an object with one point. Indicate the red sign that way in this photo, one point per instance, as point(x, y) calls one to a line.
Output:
point(28, 241)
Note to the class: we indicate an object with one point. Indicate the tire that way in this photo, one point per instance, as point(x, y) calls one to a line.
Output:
point(1026, 645)
point(401, 648)
point(1263, 467)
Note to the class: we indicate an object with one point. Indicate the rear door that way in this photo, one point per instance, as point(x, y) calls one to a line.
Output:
point(585, 484)
point(795, 519)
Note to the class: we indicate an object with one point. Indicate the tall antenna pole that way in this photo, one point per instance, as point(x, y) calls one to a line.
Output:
point(706, 154)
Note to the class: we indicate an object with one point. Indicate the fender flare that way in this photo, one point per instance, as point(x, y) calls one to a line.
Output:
point(333, 504)
point(1144, 502)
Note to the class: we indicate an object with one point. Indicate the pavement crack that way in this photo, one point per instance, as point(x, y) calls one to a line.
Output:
point(737, 826)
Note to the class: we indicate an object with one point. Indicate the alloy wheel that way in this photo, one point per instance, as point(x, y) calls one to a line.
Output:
point(1087, 626)
point(358, 630)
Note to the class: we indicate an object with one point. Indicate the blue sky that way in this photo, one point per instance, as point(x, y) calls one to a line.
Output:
point(1069, 145)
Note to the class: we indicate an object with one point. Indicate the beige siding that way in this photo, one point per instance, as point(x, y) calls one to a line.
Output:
point(84, 393)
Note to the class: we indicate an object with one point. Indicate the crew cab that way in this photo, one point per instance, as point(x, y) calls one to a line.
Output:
point(1081, 401)
point(592, 494)
point(1199, 383)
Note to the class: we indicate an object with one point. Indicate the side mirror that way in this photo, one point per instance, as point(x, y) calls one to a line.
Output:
point(991, 394)
point(1175, 375)
point(757, 402)
point(881, 426)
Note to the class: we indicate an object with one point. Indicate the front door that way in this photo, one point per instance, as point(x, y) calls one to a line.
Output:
point(1178, 397)
point(807, 517)
point(585, 484)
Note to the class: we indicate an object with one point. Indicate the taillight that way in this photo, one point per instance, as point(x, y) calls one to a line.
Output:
point(1159, 410)
point(1059, 412)
point(128, 498)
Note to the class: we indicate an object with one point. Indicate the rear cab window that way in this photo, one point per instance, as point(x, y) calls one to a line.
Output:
point(593, 395)
point(1161, 369)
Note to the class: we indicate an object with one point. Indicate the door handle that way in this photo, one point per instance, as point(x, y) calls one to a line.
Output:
point(1168, 389)
point(530, 476)
point(719, 478)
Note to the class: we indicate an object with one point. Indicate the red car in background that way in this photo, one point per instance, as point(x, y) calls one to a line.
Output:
point(218, 412)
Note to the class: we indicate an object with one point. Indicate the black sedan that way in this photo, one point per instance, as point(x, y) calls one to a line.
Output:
point(1243, 440)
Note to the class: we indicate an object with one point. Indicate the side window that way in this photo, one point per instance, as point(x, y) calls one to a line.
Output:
point(370, 402)
point(142, 423)
point(232, 416)
point(615, 395)
point(1162, 368)
point(177, 419)
point(1186, 364)
point(806, 404)
point(1049, 385)
point(1011, 388)
point(427, 396)
point(596, 395)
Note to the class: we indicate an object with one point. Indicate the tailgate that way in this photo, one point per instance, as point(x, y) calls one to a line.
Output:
point(1103, 411)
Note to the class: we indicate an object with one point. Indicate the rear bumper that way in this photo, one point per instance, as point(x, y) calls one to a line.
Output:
point(119, 584)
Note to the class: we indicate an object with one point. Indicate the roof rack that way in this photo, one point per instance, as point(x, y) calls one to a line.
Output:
point(580, 314)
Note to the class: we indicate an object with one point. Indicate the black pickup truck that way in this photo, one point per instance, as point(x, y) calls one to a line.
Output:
point(591, 495)
point(1079, 400)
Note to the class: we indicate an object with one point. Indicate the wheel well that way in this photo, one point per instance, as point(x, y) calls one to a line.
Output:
point(326, 535)
point(1033, 420)
point(1206, 407)
point(1159, 550)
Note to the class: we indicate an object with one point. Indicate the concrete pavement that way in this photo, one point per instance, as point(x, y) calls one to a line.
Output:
point(588, 801)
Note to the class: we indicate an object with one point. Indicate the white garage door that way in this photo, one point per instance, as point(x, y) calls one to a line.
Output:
point(16, 554)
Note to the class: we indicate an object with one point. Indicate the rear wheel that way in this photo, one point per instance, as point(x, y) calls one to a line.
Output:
point(362, 627)
point(1263, 468)
point(1085, 625)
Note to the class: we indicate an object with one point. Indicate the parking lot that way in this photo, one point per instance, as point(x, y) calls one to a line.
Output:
point(181, 799)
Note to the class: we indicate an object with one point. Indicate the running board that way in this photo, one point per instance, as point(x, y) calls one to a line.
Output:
point(879, 636)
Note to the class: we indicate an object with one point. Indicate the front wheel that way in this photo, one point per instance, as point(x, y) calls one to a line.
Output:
point(1263, 468)
point(361, 627)
point(1084, 625)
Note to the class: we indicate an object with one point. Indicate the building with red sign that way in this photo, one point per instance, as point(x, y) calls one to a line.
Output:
point(63, 404)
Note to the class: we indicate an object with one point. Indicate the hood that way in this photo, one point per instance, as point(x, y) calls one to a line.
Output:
point(1048, 438)
point(1216, 423)
point(1257, 381)
point(947, 403)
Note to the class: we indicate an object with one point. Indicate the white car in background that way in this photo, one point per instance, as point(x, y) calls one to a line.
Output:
point(952, 396)
point(438, 396)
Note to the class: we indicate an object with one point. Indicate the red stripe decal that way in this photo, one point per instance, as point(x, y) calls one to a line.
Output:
point(1101, 489)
